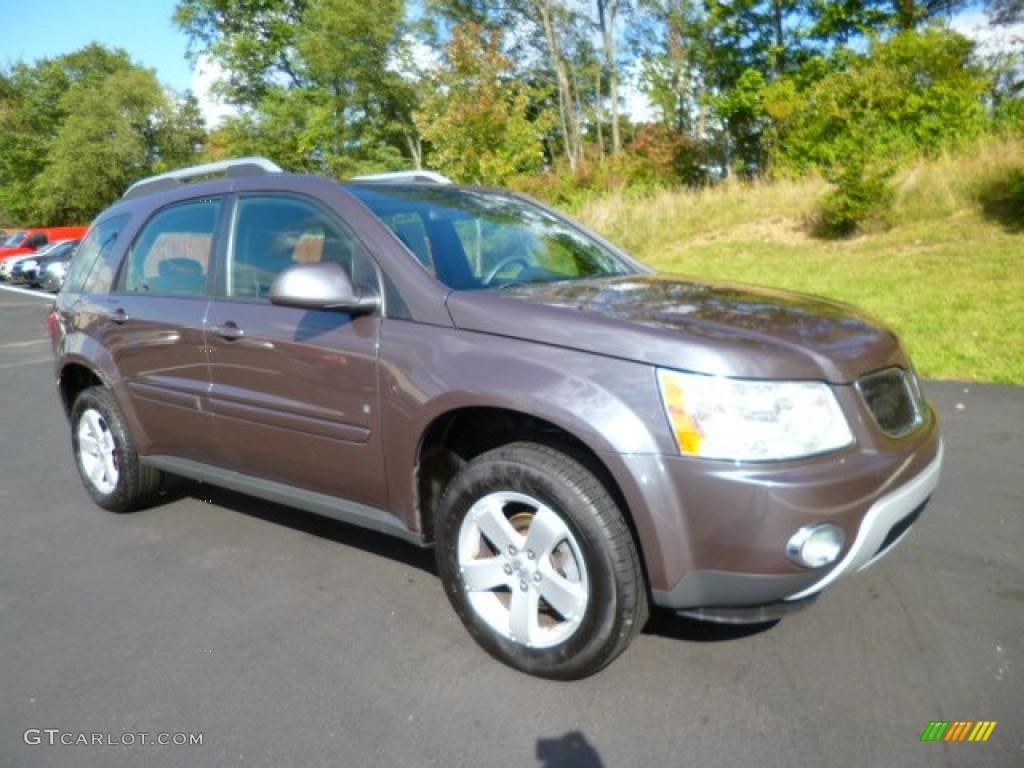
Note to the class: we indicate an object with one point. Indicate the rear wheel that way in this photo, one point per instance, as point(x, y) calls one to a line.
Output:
point(105, 454)
point(539, 563)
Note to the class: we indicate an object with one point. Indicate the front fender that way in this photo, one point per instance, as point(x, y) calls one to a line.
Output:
point(427, 372)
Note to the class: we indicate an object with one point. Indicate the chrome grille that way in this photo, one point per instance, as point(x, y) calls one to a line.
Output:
point(894, 399)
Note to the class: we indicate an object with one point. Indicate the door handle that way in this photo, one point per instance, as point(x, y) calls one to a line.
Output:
point(118, 316)
point(229, 331)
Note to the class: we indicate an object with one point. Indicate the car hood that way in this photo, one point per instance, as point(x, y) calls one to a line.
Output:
point(717, 328)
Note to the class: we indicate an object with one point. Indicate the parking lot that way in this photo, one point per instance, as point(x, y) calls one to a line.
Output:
point(284, 639)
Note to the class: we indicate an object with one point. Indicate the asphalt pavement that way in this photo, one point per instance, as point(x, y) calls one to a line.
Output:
point(277, 638)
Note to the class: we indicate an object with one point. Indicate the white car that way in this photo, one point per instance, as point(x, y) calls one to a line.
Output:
point(7, 265)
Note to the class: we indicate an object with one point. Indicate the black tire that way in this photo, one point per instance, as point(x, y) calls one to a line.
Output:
point(564, 611)
point(105, 454)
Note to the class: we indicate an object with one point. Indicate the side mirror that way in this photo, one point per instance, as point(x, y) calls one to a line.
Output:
point(323, 285)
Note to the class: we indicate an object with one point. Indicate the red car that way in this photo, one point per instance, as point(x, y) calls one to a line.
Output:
point(23, 241)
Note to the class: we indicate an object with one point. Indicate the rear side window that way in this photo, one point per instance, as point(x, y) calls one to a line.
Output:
point(273, 232)
point(172, 254)
point(92, 269)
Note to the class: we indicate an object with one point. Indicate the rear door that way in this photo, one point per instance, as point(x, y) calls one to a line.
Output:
point(294, 391)
point(152, 325)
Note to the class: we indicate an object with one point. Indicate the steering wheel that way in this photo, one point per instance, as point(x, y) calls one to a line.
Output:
point(501, 265)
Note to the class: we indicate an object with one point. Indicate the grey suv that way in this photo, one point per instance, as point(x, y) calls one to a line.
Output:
point(577, 436)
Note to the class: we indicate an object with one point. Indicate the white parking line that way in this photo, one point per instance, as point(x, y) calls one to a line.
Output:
point(27, 292)
point(23, 363)
point(14, 344)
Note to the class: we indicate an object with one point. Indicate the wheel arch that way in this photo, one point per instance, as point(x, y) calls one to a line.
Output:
point(73, 379)
point(455, 437)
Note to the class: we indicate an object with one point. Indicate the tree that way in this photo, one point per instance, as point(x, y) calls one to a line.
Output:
point(607, 14)
point(918, 92)
point(666, 39)
point(254, 42)
point(77, 129)
point(477, 118)
point(101, 148)
point(1005, 12)
point(317, 80)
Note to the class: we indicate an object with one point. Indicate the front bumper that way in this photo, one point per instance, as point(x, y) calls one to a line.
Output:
point(720, 532)
point(884, 526)
point(738, 598)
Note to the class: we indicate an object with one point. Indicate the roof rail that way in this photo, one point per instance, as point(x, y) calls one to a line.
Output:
point(404, 177)
point(242, 166)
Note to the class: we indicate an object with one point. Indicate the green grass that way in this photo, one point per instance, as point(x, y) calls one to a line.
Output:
point(948, 275)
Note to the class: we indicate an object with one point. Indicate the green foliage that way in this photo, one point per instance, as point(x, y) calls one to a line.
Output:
point(77, 129)
point(667, 42)
point(1002, 197)
point(914, 92)
point(742, 109)
point(477, 116)
point(849, 90)
point(315, 80)
point(859, 201)
point(254, 41)
point(917, 92)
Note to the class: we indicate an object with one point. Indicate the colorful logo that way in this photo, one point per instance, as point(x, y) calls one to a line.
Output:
point(958, 730)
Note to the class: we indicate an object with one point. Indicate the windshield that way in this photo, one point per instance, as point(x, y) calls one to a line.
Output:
point(13, 241)
point(473, 239)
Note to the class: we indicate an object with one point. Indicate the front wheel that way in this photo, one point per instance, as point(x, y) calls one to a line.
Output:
point(539, 563)
point(105, 454)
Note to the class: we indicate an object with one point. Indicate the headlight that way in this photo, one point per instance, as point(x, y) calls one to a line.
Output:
point(719, 418)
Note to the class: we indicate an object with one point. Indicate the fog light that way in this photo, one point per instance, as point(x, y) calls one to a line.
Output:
point(814, 546)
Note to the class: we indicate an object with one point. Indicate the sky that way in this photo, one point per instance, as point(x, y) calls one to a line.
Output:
point(34, 29)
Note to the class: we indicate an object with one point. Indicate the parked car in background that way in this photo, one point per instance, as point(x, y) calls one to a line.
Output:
point(8, 264)
point(26, 241)
point(577, 436)
point(52, 274)
point(27, 269)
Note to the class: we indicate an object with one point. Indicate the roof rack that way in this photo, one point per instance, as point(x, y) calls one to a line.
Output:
point(242, 166)
point(404, 177)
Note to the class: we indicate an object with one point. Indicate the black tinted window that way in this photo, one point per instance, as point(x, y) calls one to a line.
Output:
point(272, 232)
point(92, 269)
point(172, 254)
point(479, 239)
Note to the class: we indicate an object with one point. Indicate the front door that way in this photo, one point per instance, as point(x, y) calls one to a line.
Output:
point(294, 391)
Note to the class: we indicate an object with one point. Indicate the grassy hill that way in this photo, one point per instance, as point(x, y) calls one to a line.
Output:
point(948, 274)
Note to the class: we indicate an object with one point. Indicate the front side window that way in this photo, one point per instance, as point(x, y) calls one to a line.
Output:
point(172, 254)
point(273, 232)
point(92, 268)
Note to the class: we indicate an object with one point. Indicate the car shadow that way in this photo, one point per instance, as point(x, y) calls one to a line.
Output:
point(666, 623)
point(174, 488)
point(662, 623)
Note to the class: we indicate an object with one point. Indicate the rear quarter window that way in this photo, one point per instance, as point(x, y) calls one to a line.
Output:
point(93, 267)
